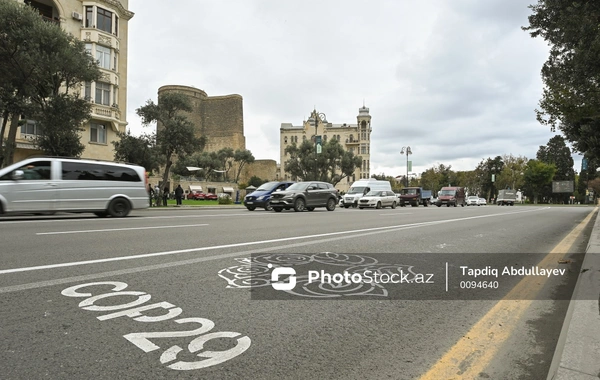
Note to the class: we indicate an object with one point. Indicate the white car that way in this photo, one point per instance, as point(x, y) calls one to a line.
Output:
point(482, 202)
point(472, 201)
point(378, 199)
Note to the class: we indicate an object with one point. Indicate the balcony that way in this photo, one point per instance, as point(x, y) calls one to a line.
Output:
point(103, 112)
point(352, 142)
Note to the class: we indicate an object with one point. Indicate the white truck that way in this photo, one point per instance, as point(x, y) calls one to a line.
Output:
point(360, 188)
point(506, 197)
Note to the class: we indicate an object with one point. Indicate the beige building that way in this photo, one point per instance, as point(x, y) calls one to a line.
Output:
point(355, 138)
point(102, 25)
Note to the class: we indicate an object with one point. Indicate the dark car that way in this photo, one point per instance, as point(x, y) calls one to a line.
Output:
point(261, 197)
point(305, 196)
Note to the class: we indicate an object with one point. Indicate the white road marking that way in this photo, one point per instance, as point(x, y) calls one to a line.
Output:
point(128, 219)
point(251, 243)
point(118, 229)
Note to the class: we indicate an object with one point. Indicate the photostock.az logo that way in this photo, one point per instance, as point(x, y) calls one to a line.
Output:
point(283, 272)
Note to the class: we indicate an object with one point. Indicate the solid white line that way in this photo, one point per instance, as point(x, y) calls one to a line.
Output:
point(116, 229)
point(129, 219)
point(145, 255)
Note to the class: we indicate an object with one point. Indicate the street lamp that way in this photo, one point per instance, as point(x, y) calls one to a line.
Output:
point(315, 117)
point(493, 173)
point(406, 149)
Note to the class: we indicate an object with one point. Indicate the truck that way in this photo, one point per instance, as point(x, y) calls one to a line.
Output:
point(414, 196)
point(506, 197)
point(360, 188)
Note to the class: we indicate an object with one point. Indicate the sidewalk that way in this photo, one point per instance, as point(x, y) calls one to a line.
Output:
point(577, 353)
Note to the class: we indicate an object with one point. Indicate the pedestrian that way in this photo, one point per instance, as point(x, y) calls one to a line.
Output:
point(156, 195)
point(178, 194)
point(151, 194)
point(165, 196)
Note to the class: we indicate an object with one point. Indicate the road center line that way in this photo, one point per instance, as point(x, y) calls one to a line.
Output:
point(117, 229)
point(225, 246)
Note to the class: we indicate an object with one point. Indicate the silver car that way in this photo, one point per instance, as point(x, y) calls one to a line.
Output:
point(472, 201)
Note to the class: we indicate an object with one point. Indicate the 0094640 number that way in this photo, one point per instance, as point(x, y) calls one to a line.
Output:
point(479, 284)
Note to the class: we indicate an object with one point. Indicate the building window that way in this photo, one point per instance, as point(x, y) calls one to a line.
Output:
point(88, 91)
point(89, 16)
point(98, 133)
point(116, 26)
point(103, 56)
point(103, 93)
point(30, 128)
point(104, 20)
point(88, 48)
point(285, 140)
point(363, 149)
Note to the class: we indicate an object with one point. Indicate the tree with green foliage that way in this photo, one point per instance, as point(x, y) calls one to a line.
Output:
point(256, 181)
point(537, 177)
point(511, 175)
point(140, 150)
point(41, 71)
point(175, 133)
point(241, 157)
point(332, 165)
point(571, 75)
point(558, 153)
point(225, 156)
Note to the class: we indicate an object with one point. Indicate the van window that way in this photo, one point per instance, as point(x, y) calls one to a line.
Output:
point(36, 170)
point(83, 171)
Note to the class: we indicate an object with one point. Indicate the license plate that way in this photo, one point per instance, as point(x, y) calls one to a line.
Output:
point(249, 203)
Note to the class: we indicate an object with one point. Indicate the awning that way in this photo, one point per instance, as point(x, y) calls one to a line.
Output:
point(196, 188)
point(228, 189)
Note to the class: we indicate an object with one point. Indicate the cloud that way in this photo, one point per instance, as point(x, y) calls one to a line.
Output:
point(457, 80)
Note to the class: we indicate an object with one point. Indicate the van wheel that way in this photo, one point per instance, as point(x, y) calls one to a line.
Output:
point(394, 205)
point(299, 205)
point(268, 207)
point(119, 208)
point(101, 214)
point(251, 208)
point(330, 204)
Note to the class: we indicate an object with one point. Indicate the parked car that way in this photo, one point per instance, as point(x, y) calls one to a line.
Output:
point(305, 196)
point(210, 197)
point(472, 200)
point(195, 195)
point(482, 202)
point(433, 201)
point(378, 199)
point(261, 197)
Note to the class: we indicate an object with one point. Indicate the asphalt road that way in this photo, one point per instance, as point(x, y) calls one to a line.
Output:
point(177, 293)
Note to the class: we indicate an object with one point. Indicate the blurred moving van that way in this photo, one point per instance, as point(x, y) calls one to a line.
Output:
point(51, 184)
point(360, 188)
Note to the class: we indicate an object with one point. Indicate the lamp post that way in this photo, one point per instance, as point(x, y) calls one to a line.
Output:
point(315, 117)
point(406, 150)
point(493, 173)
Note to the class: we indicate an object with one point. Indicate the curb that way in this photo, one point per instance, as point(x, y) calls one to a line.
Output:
point(577, 354)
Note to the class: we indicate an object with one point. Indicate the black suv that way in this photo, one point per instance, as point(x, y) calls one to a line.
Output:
point(305, 196)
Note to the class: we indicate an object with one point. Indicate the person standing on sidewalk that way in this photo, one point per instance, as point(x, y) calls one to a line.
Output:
point(156, 195)
point(151, 194)
point(178, 194)
point(165, 196)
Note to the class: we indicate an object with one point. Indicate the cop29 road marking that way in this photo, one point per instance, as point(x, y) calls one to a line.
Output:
point(133, 310)
point(251, 243)
point(118, 229)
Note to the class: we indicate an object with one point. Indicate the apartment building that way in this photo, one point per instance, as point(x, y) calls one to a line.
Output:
point(102, 25)
point(355, 138)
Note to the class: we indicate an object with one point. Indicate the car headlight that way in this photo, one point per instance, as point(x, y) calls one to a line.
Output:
point(262, 197)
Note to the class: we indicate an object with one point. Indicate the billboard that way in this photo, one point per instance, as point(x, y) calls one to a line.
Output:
point(563, 186)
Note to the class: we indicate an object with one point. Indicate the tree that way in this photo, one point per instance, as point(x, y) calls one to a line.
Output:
point(225, 156)
point(332, 165)
point(241, 157)
point(175, 134)
point(538, 175)
point(511, 175)
point(558, 153)
point(140, 150)
point(40, 64)
point(571, 75)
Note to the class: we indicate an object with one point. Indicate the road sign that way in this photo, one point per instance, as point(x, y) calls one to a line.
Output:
point(319, 146)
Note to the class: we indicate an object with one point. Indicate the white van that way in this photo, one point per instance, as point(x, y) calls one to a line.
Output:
point(50, 184)
point(361, 187)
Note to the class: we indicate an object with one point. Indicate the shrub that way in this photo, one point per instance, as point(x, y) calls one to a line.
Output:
point(225, 199)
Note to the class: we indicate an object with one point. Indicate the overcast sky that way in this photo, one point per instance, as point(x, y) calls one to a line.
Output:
point(456, 80)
